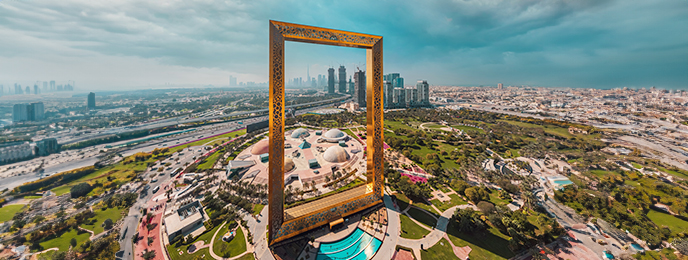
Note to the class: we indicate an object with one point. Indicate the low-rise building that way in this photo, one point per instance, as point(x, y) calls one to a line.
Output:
point(184, 219)
point(14, 151)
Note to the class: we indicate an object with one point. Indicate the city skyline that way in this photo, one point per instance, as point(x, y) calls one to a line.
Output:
point(589, 44)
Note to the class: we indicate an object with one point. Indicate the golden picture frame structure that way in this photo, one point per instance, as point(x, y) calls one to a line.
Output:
point(280, 32)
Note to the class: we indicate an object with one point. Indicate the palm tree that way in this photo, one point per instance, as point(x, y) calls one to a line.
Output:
point(148, 254)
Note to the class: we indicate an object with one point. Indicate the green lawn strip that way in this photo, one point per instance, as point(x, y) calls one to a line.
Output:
point(494, 198)
point(425, 206)
point(206, 237)
point(7, 212)
point(117, 172)
point(32, 197)
point(234, 248)
point(423, 217)
point(101, 215)
point(490, 244)
point(348, 131)
point(600, 173)
point(257, 208)
point(455, 201)
point(246, 257)
point(62, 241)
point(208, 163)
point(227, 137)
point(402, 201)
point(410, 229)
point(636, 165)
point(681, 174)
point(676, 225)
point(441, 250)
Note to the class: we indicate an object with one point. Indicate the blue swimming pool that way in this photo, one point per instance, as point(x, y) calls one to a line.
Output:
point(358, 245)
point(563, 182)
point(637, 247)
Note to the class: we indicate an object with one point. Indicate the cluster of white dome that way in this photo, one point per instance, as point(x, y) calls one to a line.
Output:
point(335, 154)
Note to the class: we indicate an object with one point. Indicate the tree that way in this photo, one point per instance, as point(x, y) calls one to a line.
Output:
point(477, 194)
point(73, 242)
point(149, 227)
point(486, 207)
point(79, 190)
point(148, 254)
point(150, 241)
point(107, 224)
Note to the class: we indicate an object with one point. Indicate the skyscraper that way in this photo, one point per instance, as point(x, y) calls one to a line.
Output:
point(91, 102)
point(45, 86)
point(35, 89)
point(18, 89)
point(28, 90)
point(360, 88)
point(232, 81)
point(342, 80)
point(388, 98)
point(20, 113)
point(52, 85)
point(423, 92)
point(500, 86)
point(36, 111)
point(330, 81)
point(351, 86)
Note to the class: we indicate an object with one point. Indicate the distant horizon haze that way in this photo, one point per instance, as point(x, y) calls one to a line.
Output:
point(105, 45)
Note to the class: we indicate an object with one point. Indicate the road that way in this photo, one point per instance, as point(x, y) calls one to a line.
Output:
point(130, 223)
point(13, 175)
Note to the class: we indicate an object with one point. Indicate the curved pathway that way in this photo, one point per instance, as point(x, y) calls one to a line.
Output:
point(212, 242)
point(89, 231)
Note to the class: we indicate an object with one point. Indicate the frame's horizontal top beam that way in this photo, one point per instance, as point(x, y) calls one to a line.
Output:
point(319, 35)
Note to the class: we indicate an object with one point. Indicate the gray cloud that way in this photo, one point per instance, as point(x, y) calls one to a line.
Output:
point(550, 42)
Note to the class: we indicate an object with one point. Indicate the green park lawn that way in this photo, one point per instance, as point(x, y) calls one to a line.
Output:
point(234, 247)
point(410, 229)
point(208, 163)
point(424, 150)
point(402, 200)
point(7, 212)
point(424, 205)
point(636, 165)
point(118, 172)
point(32, 197)
point(487, 245)
point(468, 128)
point(455, 201)
point(494, 198)
point(62, 241)
point(257, 208)
point(173, 250)
point(441, 250)
point(676, 225)
point(226, 137)
point(422, 217)
point(101, 215)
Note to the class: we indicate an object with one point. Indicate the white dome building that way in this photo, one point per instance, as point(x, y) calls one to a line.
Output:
point(263, 146)
point(336, 154)
point(299, 133)
point(288, 164)
point(334, 136)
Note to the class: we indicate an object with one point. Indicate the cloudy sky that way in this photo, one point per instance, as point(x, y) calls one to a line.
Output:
point(138, 44)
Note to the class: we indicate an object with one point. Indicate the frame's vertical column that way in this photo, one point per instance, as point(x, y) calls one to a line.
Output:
point(276, 163)
point(374, 119)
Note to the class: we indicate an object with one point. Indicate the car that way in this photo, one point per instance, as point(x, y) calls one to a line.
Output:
point(154, 180)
